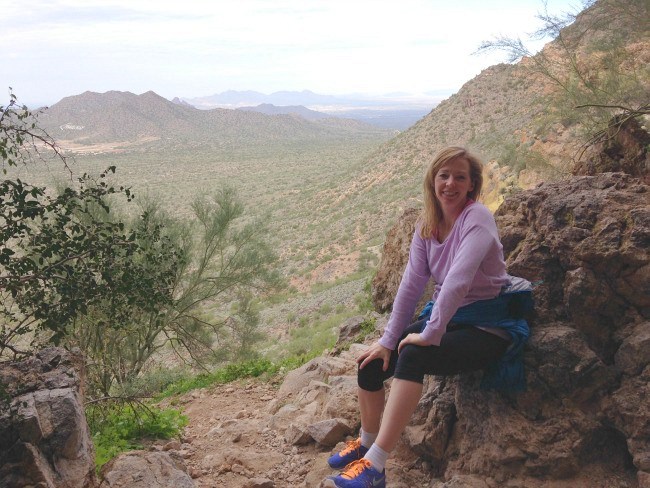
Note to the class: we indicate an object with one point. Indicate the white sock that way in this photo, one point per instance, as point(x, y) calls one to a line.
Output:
point(377, 457)
point(367, 439)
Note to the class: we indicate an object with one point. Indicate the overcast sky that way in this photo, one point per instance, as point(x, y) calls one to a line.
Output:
point(191, 48)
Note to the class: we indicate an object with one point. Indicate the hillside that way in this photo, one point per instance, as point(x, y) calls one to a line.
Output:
point(516, 118)
point(122, 117)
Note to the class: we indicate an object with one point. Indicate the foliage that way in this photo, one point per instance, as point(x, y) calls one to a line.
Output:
point(21, 140)
point(57, 260)
point(117, 426)
point(593, 62)
point(232, 372)
point(367, 327)
point(244, 326)
point(211, 260)
point(520, 157)
point(152, 381)
point(123, 426)
point(364, 300)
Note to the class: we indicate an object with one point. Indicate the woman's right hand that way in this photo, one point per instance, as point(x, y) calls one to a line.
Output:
point(376, 351)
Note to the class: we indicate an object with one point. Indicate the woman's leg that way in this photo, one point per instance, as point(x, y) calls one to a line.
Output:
point(463, 348)
point(402, 402)
point(371, 407)
point(371, 392)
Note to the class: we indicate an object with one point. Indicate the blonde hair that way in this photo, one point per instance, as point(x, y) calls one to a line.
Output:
point(432, 212)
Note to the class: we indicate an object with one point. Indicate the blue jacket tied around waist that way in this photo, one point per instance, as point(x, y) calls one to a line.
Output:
point(506, 311)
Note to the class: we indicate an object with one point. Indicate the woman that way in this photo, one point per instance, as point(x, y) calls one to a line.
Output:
point(469, 328)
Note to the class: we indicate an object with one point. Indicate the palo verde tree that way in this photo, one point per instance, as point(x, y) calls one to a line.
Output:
point(212, 261)
point(75, 273)
point(598, 61)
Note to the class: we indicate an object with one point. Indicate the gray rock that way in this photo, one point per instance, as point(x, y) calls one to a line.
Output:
point(329, 432)
point(260, 483)
point(297, 435)
point(145, 469)
point(44, 437)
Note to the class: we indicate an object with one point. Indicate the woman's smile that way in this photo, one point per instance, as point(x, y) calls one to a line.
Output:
point(453, 184)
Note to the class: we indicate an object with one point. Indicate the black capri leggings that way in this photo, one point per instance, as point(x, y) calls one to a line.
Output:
point(462, 348)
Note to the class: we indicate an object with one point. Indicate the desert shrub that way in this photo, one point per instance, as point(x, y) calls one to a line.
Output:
point(125, 426)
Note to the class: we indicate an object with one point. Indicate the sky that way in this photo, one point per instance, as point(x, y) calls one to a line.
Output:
point(193, 48)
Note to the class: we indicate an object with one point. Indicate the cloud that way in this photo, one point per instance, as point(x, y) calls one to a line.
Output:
point(193, 48)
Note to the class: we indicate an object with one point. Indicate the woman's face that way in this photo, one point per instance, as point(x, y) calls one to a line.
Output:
point(452, 184)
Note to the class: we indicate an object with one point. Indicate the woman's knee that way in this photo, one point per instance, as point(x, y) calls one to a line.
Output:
point(372, 376)
point(410, 364)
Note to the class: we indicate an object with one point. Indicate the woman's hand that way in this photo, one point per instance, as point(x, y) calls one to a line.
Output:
point(376, 351)
point(415, 339)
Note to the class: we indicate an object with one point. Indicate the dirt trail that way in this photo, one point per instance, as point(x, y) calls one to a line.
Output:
point(231, 442)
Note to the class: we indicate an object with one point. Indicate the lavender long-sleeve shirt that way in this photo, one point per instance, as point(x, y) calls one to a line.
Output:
point(468, 266)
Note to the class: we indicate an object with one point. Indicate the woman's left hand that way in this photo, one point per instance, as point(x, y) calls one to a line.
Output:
point(415, 339)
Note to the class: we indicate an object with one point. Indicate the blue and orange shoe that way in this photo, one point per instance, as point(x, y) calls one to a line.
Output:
point(353, 451)
point(358, 474)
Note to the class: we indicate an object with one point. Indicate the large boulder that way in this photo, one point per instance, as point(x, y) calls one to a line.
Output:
point(146, 469)
point(44, 437)
point(585, 418)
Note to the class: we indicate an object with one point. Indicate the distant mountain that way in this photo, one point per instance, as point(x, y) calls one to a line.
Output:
point(114, 116)
point(236, 99)
point(397, 110)
point(178, 101)
point(309, 99)
point(299, 110)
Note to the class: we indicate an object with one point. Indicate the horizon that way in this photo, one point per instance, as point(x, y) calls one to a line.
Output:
point(55, 49)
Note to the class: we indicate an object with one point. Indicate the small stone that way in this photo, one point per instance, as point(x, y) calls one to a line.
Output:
point(260, 483)
point(172, 446)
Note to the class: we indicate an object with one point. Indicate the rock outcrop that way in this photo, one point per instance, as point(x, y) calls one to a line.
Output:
point(623, 147)
point(44, 437)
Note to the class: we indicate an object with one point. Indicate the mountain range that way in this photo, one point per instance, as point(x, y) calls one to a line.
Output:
point(307, 98)
point(392, 111)
point(93, 118)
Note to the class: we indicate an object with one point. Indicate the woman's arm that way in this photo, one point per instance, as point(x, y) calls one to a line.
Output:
point(415, 277)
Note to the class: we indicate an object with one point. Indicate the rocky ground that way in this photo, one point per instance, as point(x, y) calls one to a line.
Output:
point(235, 440)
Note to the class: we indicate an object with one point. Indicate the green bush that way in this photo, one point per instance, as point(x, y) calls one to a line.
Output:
point(151, 382)
point(123, 427)
point(227, 374)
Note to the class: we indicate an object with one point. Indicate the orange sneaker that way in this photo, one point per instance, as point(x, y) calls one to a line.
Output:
point(353, 451)
point(358, 474)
